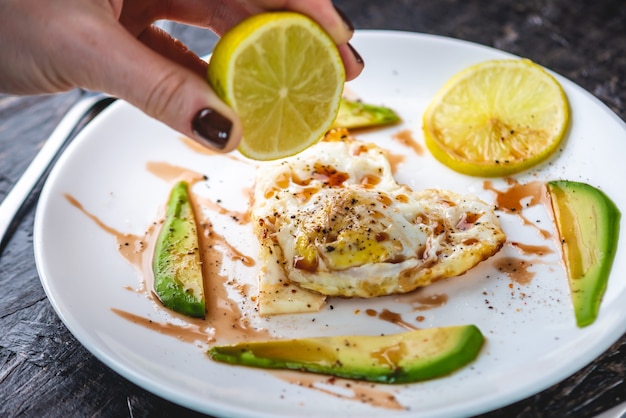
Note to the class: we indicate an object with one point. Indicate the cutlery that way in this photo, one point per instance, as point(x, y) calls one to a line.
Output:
point(87, 107)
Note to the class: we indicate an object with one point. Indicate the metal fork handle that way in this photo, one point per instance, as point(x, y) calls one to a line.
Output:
point(12, 204)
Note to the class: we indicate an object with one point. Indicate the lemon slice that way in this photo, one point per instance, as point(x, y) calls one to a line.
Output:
point(283, 75)
point(496, 118)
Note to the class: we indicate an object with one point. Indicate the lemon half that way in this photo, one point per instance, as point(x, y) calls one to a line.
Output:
point(496, 118)
point(283, 75)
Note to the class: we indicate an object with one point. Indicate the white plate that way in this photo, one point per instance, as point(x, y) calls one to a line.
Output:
point(533, 341)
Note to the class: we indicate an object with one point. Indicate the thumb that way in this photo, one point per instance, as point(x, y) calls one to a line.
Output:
point(165, 90)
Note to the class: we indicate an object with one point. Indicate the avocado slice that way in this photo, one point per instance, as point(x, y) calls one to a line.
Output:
point(176, 264)
point(354, 114)
point(397, 358)
point(588, 225)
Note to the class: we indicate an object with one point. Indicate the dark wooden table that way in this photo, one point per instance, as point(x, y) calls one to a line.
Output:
point(44, 371)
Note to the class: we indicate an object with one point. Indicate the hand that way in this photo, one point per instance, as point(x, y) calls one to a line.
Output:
point(111, 46)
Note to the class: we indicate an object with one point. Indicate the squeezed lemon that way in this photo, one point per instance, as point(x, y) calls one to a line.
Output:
point(283, 75)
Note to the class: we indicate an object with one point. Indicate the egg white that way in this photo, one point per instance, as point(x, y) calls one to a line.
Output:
point(332, 221)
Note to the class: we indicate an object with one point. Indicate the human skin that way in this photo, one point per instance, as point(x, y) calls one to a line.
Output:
point(112, 46)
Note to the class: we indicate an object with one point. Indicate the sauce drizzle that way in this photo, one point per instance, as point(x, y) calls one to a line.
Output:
point(394, 160)
point(189, 333)
point(224, 314)
point(389, 316)
point(364, 392)
point(510, 200)
point(516, 269)
point(405, 137)
point(527, 249)
point(427, 302)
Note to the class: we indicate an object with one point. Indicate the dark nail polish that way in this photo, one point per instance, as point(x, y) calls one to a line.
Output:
point(358, 58)
point(345, 19)
point(212, 127)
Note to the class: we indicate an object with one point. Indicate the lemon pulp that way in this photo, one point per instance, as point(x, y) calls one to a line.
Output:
point(283, 75)
point(496, 118)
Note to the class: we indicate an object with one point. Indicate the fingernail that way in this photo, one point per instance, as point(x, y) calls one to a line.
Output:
point(210, 126)
point(357, 57)
point(345, 19)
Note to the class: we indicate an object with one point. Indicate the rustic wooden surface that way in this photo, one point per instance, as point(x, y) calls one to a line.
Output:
point(44, 371)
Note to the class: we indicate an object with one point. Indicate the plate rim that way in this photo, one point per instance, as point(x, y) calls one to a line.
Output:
point(189, 400)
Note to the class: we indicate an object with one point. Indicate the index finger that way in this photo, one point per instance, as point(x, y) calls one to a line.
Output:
point(217, 15)
point(323, 12)
point(221, 15)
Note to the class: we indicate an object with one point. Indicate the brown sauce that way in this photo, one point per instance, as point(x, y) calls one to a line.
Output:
point(516, 269)
point(329, 175)
point(514, 200)
point(171, 173)
point(394, 160)
point(389, 316)
point(467, 221)
point(224, 315)
point(405, 137)
point(191, 332)
point(226, 320)
point(510, 200)
point(368, 393)
point(369, 181)
point(426, 302)
point(526, 249)
point(130, 246)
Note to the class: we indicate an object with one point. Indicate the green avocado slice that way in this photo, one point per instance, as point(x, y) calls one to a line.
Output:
point(588, 224)
point(354, 114)
point(397, 358)
point(176, 265)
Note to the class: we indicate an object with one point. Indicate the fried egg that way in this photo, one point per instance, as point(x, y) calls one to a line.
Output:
point(333, 221)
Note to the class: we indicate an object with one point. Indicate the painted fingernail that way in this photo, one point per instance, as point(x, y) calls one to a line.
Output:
point(345, 19)
point(210, 126)
point(357, 57)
